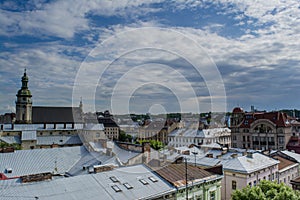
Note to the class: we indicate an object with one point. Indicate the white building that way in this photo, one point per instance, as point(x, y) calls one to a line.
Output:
point(186, 137)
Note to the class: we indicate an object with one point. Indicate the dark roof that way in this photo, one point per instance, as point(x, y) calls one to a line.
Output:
point(107, 122)
point(175, 173)
point(56, 114)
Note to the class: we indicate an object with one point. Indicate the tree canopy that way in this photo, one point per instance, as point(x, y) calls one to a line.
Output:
point(266, 190)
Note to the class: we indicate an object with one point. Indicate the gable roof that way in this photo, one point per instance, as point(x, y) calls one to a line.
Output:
point(42, 114)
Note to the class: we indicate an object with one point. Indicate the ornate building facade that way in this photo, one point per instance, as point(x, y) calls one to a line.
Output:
point(260, 130)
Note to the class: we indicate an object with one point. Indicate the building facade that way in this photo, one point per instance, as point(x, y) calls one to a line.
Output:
point(260, 130)
point(186, 137)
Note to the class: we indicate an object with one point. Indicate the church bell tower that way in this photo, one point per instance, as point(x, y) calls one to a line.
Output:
point(24, 103)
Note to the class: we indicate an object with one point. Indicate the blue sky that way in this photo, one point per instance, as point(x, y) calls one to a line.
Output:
point(134, 56)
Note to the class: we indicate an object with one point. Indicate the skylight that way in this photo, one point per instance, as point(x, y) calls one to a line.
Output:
point(116, 188)
point(144, 182)
point(151, 178)
point(128, 186)
point(113, 179)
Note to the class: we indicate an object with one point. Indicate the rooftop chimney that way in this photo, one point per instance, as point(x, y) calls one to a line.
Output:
point(209, 155)
point(235, 155)
point(249, 155)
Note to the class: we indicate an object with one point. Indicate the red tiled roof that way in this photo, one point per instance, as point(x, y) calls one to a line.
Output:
point(278, 118)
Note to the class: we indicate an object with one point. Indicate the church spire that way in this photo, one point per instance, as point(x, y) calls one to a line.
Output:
point(24, 102)
point(25, 80)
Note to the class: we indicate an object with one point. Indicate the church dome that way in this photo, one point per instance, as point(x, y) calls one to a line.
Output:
point(24, 92)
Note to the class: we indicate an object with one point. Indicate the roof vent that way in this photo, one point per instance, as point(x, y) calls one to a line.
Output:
point(235, 155)
point(116, 188)
point(8, 170)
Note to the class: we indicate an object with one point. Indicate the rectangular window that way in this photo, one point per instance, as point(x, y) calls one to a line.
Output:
point(212, 195)
point(233, 185)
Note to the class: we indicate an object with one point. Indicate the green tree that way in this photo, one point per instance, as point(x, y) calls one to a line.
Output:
point(266, 190)
point(123, 137)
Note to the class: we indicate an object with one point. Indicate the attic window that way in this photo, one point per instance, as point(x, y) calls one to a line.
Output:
point(144, 182)
point(113, 179)
point(128, 186)
point(151, 178)
point(116, 188)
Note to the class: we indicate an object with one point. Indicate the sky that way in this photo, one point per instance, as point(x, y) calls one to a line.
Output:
point(152, 55)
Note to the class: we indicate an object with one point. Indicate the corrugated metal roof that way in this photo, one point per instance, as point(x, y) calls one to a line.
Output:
point(92, 187)
point(57, 160)
point(28, 135)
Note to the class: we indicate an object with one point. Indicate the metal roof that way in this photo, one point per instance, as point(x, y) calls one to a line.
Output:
point(49, 126)
point(56, 160)
point(244, 164)
point(296, 156)
point(11, 139)
point(92, 186)
point(94, 127)
point(123, 155)
point(60, 140)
